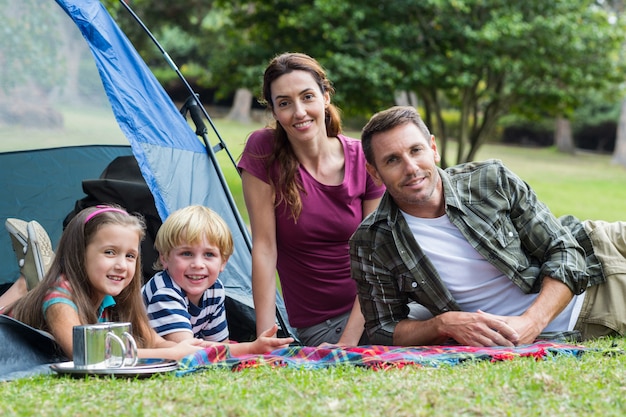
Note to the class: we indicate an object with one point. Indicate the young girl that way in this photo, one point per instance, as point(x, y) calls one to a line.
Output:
point(95, 277)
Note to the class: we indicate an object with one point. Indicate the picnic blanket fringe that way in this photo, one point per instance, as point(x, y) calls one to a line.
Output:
point(374, 357)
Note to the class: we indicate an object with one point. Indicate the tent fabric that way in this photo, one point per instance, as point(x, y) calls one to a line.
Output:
point(121, 183)
point(177, 167)
point(25, 351)
point(44, 185)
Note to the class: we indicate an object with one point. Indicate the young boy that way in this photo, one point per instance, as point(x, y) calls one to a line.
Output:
point(186, 298)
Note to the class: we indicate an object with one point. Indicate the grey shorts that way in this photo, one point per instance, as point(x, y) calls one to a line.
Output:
point(328, 331)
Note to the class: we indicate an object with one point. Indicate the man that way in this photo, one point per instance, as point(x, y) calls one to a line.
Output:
point(474, 246)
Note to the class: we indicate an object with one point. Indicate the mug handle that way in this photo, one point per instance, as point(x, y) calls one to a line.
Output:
point(107, 350)
point(133, 348)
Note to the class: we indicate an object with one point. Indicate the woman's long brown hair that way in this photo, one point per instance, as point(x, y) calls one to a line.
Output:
point(289, 185)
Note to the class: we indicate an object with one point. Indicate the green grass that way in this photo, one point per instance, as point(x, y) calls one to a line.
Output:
point(592, 385)
point(585, 185)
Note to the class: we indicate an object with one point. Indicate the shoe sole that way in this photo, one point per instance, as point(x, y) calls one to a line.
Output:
point(41, 248)
point(18, 232)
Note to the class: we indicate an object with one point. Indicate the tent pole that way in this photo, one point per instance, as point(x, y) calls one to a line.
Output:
point(168, 59)
point(193, 104)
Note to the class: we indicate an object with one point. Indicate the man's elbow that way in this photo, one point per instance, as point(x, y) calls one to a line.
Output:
point(380, 336)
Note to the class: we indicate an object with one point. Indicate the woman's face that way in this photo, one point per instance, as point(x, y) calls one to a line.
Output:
point(299, 105)
point(111, 259)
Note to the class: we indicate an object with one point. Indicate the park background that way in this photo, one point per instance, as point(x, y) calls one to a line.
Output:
point(495, 79)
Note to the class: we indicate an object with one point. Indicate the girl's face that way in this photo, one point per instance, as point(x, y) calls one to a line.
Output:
point(299, 105)
point(195, 268)
point(111, 259)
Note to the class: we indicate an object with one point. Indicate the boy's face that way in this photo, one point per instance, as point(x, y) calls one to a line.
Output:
point(194, 267)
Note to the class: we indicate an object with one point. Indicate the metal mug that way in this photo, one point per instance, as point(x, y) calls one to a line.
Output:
point(104, 345)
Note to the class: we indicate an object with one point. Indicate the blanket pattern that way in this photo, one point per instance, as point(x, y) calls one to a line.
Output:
point(373, 357)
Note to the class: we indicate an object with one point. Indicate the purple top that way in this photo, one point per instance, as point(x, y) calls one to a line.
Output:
point(313, 259)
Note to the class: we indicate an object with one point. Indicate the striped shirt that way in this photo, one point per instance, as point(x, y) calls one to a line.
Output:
point(498, 214)
point(170, 311)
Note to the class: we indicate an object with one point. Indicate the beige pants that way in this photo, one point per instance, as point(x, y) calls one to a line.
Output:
point(603, 311)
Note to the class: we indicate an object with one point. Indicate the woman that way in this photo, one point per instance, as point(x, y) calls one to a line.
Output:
point(306, 190)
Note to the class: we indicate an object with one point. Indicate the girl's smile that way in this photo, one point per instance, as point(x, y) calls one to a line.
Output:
point(111, 259)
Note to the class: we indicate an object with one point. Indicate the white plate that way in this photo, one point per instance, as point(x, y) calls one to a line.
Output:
point(144, 368)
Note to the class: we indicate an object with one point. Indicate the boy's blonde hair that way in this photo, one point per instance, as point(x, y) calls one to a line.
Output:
point(188, 226)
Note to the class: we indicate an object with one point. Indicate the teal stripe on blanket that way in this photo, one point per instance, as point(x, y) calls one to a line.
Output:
point(375, 357)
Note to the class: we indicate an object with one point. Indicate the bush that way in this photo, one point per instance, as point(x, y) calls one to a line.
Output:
point(600, 137)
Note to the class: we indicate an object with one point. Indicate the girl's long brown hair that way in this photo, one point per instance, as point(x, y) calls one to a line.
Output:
point(69, 261)
point(289, 184)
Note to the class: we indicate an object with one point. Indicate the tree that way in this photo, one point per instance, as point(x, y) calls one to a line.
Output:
point(240, 111)
point(563, 136)
point(183, 29)
point(490, 58)
point(30, 68)
point(484, 58)
point(341, 35)
point(619, 154)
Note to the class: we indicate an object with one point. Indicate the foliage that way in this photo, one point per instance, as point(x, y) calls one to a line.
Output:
point(488, 58)
point(484, 58)
point(177, 26)
point(30, 47)
point(348, 48)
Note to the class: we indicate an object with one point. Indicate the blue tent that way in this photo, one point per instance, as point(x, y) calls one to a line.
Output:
point(177, 167)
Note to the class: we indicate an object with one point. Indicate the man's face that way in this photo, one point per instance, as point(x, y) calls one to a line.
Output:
point(406, 163)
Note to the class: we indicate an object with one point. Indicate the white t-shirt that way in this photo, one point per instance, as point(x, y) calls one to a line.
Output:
point(473, 282)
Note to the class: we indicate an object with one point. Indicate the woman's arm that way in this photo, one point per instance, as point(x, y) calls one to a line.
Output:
point(259, 198)
point(369, 206)
point(354, 327)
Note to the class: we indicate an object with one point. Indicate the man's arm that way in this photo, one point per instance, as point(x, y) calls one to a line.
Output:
point(483, 329)
point(471, 329)
point(553, 297)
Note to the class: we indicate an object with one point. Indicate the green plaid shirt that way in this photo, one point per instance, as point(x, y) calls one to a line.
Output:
point(499, 215)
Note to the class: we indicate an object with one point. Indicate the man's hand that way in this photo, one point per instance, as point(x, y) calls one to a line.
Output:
point(526, 328)
point(478, 329)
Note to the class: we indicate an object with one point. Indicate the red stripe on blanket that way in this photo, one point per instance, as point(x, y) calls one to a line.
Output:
point(374, 357)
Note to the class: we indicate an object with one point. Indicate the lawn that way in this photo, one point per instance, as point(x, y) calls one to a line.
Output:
point(585, 185)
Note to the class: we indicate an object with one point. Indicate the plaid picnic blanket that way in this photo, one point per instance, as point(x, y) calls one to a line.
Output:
point(373, 357)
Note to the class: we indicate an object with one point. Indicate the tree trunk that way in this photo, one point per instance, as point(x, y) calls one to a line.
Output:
point(405, 98)
point(563, 136)
point(619, 154)
point(242, 106)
